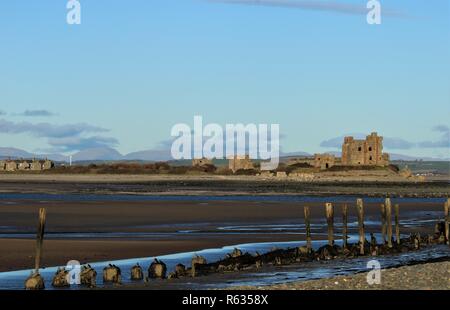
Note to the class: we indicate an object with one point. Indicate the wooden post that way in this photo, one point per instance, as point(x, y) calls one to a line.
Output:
point(344, 225)
point(362, 237)
point(389, 221)
point(39, 239)
point(397, 224)
point(329, 212)
point(447, 221)
point(383, 223)
point(308, 229)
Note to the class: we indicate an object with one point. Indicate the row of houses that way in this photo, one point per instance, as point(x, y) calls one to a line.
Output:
point(25, 164)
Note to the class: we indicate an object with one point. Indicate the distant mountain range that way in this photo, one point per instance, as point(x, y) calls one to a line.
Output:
point(110, 154)
point(13, 153)
point(92, 154)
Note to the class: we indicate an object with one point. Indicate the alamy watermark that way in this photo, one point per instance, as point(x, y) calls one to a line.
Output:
point(73, 16)
point(374, 275)
point(257, 141)
point(374, 14)
point(74, 271)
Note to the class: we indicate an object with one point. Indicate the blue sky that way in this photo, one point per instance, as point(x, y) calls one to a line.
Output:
point(134, 68)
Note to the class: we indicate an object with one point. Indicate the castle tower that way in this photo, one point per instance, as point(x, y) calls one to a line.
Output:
point(367, 152)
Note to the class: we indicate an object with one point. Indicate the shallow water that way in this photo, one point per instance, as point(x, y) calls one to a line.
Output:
point(306, 271)
point(326, 269)
point(415, 219)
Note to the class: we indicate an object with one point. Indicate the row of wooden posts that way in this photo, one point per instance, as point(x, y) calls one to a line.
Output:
point(386, 226)
point(386, 223)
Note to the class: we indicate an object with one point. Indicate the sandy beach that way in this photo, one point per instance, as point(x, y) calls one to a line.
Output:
point(430, 276)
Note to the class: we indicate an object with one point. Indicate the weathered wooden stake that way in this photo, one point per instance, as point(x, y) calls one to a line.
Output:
point(344, 225)
point(383, 223)
point(329, 212)
point(397, 225)
point(308, 229)
point(362, 237)
point(389, 221)
point(447, 221)
point(39, 239)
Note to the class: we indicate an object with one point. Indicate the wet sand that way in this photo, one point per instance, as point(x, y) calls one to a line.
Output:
point(165, 221)
point(17, 254)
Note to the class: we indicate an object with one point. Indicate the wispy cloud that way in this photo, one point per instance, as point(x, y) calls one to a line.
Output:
point(2, 112)
point(47, 129)
point(67, 137)
point(329, 6)
point(36, 113)
point(443, 142)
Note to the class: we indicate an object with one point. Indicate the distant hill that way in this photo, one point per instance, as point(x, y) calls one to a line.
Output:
point(10, 152)
point(149, 155)
point(13, 153)
point(110, 154)
point(99, 153)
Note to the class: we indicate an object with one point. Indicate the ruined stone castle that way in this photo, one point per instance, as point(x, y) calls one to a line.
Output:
point(23, 164)
point(367, 152)
point(240, 162)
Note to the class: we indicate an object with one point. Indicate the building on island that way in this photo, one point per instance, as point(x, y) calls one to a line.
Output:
point(368, 152)
point(324, 161)
point(240, 162)
point(201, 162)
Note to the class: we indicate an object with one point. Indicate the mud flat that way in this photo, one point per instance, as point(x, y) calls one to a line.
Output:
point(216, 185)
point(429, 276)
point(92, 228)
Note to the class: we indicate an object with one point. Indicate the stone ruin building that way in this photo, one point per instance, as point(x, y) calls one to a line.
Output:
point(23, 164)
point(324, 161)
point(201, 162)
point(240, 162)
point(368, 152)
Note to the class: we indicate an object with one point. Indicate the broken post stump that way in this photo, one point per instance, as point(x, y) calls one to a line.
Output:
point(362, 237)
point(397, 224)
point(61, 278)
point(157, 269)
point(389, 221)
point(35, 281)
point(137, 273)
point(330, 222)
point(344, 225)
point(308, 229)
point(88, 276)
point(383, 223)
point(196, 262)
point(112, 274)
point(180, 270)
point(39, 239)
point(447, 221)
